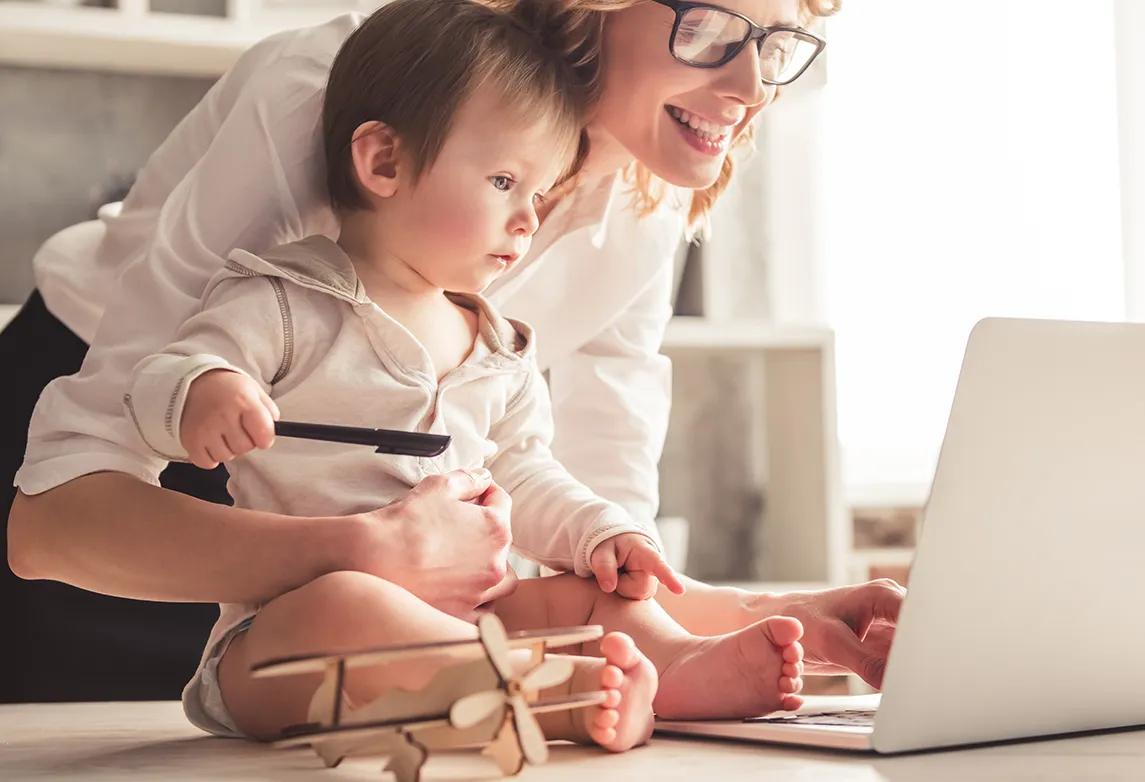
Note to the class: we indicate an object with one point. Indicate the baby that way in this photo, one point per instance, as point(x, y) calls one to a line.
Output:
point(445, 125)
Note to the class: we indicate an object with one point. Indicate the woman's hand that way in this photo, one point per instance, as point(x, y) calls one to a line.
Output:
point(845, 629)
point(226, 415)
point(447, 542)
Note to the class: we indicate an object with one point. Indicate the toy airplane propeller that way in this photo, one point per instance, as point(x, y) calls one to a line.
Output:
point(526, 742)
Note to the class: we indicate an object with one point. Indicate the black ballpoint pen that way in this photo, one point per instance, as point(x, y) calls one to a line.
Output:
point(382, 440)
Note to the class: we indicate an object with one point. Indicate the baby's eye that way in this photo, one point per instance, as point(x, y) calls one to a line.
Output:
point(502, 182)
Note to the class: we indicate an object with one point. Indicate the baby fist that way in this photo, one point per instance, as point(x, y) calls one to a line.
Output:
point(226, 415)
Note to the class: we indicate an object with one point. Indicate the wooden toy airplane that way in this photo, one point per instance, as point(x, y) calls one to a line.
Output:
point(480, 700)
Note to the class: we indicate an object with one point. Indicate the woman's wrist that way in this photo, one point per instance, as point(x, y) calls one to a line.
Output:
point(758, 605)
point(358, 542)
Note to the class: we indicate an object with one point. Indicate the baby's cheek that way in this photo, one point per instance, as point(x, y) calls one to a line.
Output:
point(459, 226)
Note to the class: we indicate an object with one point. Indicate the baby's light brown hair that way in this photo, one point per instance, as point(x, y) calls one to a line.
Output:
point(413, 63)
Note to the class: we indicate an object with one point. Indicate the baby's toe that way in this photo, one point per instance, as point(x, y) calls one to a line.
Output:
point(611, 677)
point(790, 702)
point(620, 650)
point(605, 719)
point(790, 685)
point(782, 630)
point(602, 736)
point(793, 652)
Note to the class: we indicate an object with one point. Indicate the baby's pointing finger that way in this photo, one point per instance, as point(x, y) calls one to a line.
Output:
point(650, 561)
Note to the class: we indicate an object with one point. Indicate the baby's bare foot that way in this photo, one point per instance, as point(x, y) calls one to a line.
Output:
point(625, 719)
point(742, 674)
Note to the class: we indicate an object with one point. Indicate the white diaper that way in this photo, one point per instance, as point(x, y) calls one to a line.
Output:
point(202, 697)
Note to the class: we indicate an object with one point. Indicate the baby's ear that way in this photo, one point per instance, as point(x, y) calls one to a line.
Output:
point(376, 151)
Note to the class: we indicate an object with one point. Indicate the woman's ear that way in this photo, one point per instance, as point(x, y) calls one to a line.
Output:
point(375, 149)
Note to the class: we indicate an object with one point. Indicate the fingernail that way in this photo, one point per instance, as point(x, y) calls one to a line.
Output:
point(480, 474)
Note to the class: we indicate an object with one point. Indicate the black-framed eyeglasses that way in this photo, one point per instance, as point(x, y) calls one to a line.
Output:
point(708, 36)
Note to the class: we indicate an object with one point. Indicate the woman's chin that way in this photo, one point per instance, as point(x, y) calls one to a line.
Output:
point(695, 177)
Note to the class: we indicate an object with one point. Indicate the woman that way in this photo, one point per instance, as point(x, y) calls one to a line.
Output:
point(243, 169)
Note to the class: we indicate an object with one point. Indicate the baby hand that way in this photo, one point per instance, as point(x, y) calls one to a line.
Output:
point(226, 415)
point(631, 565)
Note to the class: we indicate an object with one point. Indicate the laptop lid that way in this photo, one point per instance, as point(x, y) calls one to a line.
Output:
point(1024, 616)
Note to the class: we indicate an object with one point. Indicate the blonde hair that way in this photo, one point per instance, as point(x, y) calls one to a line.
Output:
point(582, 23)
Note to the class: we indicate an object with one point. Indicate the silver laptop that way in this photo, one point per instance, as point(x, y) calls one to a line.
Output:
point(1026, 610)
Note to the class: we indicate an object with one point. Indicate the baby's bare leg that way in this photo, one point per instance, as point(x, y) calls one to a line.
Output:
point(338, 612)
point(347, 611)
point(746, 673)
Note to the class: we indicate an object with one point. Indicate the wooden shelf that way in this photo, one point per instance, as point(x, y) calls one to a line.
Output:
point(110, 39)
point(898, 495)
point(691, 333)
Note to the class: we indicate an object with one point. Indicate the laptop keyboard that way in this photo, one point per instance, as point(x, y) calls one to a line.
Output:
point(851, 718)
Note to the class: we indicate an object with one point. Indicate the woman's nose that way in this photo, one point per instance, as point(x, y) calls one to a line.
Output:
point(740, 79)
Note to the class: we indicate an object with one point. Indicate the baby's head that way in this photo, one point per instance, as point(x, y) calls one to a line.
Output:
point(445, 124)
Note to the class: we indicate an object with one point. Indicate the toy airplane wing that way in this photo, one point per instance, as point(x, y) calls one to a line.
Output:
point(455, 650)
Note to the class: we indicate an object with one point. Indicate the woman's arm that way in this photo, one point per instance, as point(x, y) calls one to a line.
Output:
point(112, 533)
point(704, 609)
point(446, 542)
point(845, 629)
point(610, 402)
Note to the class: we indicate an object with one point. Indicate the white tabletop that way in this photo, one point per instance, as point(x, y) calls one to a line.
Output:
point(153, 741)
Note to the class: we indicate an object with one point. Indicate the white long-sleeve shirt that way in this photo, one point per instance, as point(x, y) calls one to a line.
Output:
point(245, 169)
point(297, 321)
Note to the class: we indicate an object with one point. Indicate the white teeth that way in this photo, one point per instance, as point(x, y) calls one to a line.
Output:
point(700, 126)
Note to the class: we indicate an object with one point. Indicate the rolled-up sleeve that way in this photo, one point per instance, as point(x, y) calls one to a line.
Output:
point(257, 184)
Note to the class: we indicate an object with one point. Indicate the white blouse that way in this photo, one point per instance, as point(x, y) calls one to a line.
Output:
point(245, 170)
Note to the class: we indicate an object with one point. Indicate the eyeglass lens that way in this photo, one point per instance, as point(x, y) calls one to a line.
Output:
point(707, 36)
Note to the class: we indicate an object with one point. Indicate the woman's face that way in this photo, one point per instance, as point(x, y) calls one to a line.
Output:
point(677, 120)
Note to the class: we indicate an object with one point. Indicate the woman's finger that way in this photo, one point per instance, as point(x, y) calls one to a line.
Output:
point(841, 646)
point(463, 485)
point(882, 599)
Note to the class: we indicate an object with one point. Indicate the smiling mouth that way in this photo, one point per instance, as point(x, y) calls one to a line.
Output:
point(704, 130)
